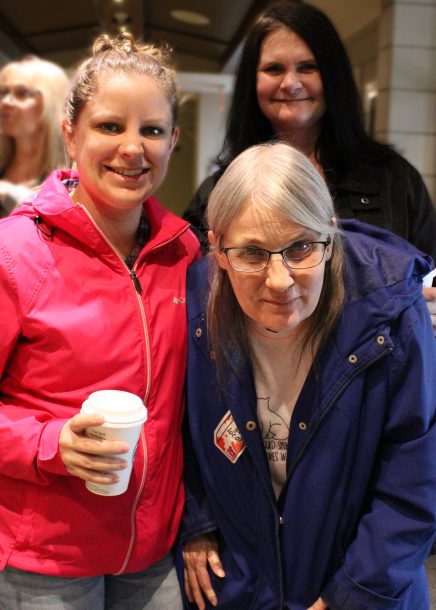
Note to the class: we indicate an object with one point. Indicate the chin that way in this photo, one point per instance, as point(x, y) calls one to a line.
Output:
point(278, 326)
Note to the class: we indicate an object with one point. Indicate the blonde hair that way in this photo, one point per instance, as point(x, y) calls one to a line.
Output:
point(279, 178)
point(121, 54)
point(52, 82)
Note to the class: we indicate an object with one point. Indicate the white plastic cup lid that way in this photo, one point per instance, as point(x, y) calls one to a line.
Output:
point(116, 406)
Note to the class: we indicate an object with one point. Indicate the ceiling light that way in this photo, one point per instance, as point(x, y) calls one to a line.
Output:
point(121, 18)
point(190, 17)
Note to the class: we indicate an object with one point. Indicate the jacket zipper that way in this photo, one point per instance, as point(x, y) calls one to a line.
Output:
point(387, 349)
point(138, 290)
point(136, 282)
point(376, 358)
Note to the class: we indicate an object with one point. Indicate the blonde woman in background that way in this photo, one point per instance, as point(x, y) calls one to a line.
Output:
point(32, 95)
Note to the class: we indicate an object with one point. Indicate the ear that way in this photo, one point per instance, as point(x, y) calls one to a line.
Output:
point(174, 138)
point(329, 249)
point(221, 258)
point(69, 138)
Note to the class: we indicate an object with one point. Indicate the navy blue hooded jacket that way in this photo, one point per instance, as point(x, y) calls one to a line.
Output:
point(356, 518)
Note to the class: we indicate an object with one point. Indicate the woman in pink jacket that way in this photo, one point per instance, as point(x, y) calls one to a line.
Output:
point(92, 291)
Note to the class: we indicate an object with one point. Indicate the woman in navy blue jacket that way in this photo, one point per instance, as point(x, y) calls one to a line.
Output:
point(311, 445)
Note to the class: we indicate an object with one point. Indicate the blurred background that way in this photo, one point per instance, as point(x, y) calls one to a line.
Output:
point(391, 44)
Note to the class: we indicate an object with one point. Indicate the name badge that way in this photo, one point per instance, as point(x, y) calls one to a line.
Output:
point(228, 439)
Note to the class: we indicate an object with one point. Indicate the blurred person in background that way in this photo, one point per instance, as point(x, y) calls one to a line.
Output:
point(32, 97)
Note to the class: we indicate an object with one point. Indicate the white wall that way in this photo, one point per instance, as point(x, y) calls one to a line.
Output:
point(214, 93)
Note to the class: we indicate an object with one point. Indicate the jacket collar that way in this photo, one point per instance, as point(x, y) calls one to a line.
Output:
point(363, 179)
point(55, 207)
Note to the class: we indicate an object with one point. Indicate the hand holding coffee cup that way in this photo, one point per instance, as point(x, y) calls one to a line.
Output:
point(87, 458)
point(98, 445)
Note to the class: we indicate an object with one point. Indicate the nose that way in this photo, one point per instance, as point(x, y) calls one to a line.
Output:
point(279, 277)
point(291, 82)
point(131, 144)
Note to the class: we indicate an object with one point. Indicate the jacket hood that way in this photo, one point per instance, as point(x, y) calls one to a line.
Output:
point(383, 277)
point(376, 259)
point(56, 209)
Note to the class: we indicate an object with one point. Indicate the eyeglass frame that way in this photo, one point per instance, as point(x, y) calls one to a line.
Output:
point(25, 93)
point(325, 243)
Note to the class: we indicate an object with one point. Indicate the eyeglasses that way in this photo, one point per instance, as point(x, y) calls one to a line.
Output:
point(301, 255)
point(21, 94)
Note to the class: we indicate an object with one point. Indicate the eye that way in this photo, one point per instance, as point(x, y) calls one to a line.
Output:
point(19, 93)
point(300, 249)
point(308, 67)
point(272, 69)
point(109, 127)
point(152, 131)
point(22, 93)
point(251, 254)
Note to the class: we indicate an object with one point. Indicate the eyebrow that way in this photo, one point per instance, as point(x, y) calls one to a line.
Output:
point(273, 59)
point(108, 116)
point(254, 241)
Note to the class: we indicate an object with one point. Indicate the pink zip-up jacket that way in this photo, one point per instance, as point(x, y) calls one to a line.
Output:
point(75, 319)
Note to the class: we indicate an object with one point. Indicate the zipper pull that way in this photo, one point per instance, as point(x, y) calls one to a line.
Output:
point(136, 282)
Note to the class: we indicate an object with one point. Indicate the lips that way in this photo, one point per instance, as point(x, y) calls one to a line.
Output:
point(288, 101)
point(275, 303)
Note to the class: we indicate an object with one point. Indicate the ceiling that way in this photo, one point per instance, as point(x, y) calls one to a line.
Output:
point(64, 30)
point(47, 28)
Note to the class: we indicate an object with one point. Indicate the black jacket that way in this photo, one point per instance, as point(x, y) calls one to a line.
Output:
point(389, 194)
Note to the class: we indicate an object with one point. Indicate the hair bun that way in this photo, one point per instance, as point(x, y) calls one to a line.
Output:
point(122, 42)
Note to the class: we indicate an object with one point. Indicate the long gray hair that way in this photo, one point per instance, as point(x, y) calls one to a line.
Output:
point(280, 179)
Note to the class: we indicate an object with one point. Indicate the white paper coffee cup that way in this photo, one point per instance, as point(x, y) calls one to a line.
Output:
point(124, 415)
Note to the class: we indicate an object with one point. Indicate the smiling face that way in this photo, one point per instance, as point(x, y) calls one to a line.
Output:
point(289, 86)
point(121, 144)
point(21, 105)
point(278, 298)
